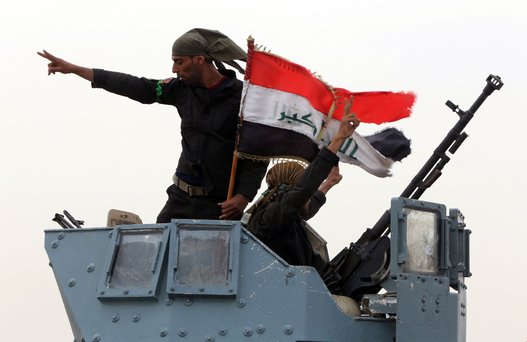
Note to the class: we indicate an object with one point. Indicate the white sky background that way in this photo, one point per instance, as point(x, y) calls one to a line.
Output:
point(66, 146)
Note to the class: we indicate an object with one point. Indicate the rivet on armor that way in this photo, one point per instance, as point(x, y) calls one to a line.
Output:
point(288, 330)
point(241, 303)
point(260, 328)
point(247, 331)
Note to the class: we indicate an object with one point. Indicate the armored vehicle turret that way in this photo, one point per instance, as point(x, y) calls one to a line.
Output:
point(201, 280)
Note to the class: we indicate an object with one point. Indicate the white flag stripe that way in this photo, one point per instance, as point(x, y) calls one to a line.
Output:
point(358, 151)
point(282, 110)
point(289, 111)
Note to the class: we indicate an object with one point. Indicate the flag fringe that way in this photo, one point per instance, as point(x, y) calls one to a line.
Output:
point(273, 159)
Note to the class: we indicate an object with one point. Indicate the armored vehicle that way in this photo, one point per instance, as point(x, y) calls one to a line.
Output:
point(207, 280)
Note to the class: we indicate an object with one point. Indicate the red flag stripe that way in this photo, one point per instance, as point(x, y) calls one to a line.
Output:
point(376, 106)
point(271, 71)
point(275, 72)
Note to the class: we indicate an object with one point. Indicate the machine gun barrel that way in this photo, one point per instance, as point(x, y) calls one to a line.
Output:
point(76, 223)
point(438, 160)
point(62, 221)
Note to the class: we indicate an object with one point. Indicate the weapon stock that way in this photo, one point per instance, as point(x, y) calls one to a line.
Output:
point(347, 263)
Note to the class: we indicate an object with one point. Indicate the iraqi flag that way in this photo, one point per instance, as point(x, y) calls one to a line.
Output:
point(287, 112)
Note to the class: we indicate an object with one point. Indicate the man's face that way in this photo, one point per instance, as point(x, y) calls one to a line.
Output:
point(188, 68)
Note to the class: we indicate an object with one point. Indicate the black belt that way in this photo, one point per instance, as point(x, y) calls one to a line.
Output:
point(189, 189)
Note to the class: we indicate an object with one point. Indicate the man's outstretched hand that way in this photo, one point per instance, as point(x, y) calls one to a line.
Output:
point(61, 66)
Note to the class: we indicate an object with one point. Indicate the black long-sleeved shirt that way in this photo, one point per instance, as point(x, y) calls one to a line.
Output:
point(208, 127)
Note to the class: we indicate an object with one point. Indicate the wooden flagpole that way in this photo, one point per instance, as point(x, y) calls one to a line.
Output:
point(232, 179)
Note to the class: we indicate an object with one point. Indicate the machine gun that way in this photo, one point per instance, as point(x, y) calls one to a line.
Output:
point(68, 222)
point(360, 268)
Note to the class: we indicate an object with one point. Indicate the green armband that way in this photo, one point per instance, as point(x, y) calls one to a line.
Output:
point(159, 90)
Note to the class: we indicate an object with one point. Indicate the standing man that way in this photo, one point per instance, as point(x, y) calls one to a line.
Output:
point(207, 98)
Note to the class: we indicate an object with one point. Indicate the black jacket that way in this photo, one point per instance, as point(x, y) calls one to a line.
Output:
point(208, 127)
point(279, 223)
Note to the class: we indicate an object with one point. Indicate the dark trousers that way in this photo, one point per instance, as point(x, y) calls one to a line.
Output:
point(182, 206)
